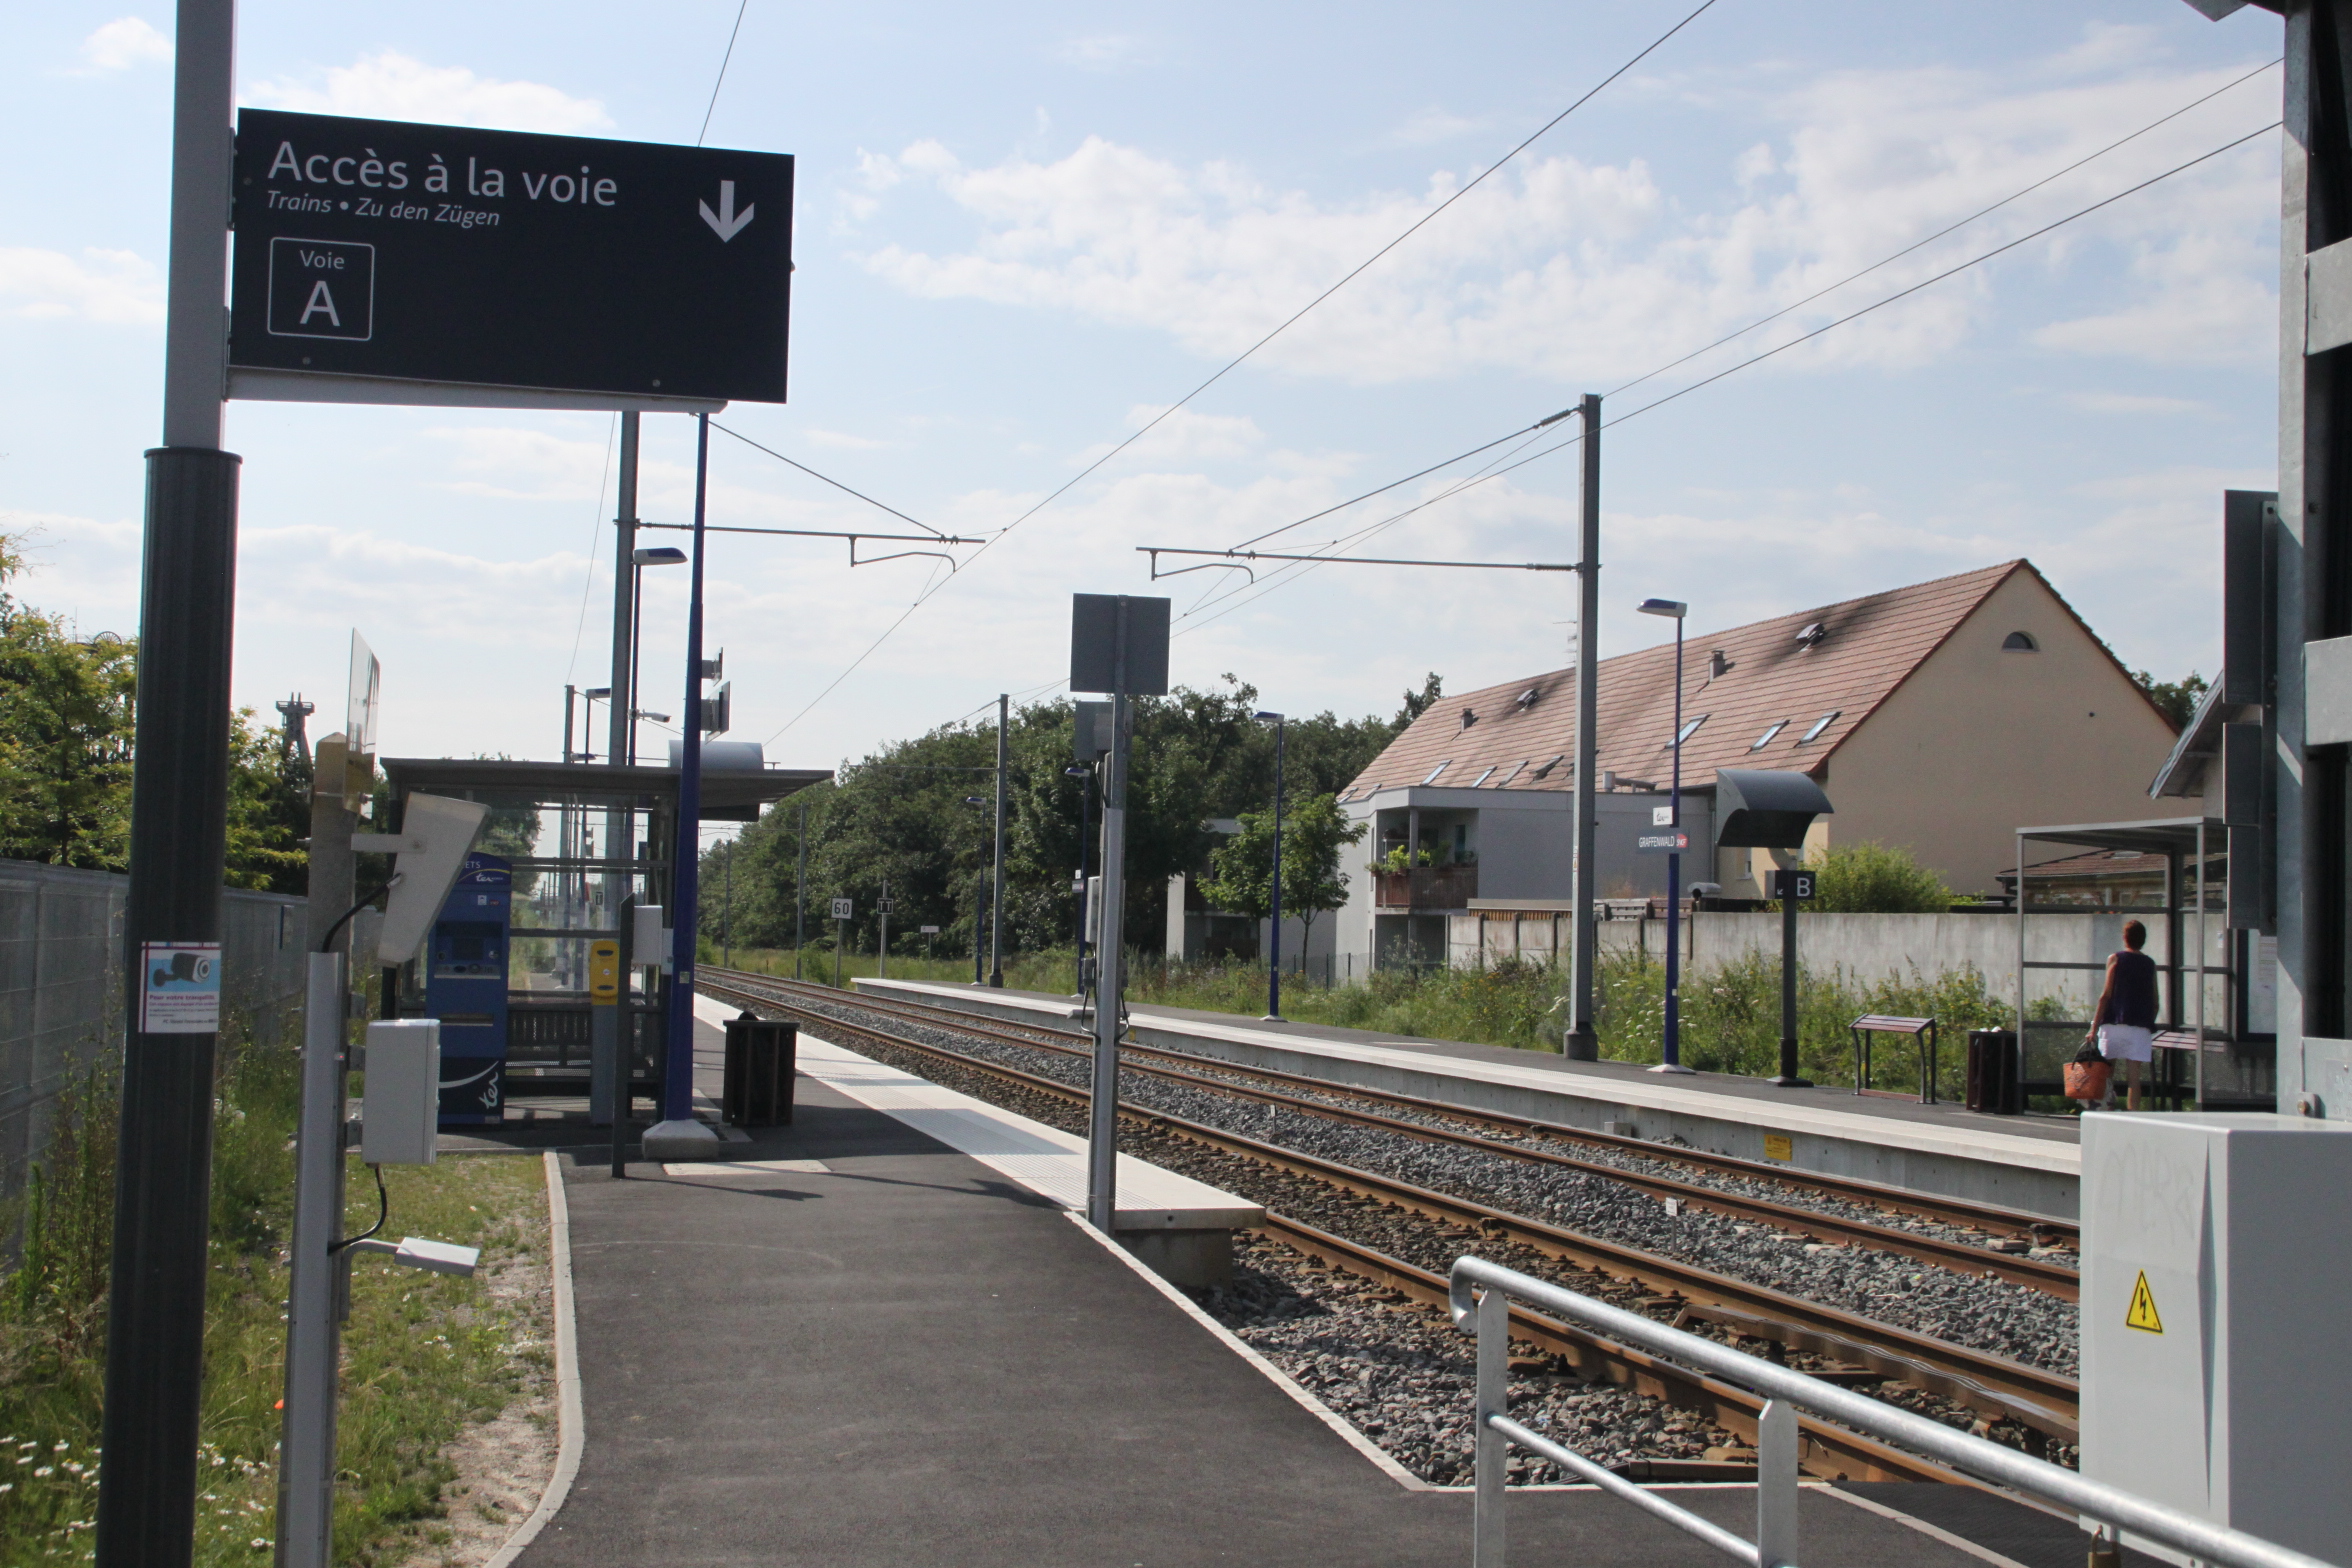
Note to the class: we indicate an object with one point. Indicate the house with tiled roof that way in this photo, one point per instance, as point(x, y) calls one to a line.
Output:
point(1938, 717)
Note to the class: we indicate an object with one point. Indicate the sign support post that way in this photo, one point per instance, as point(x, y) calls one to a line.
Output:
point(1119, 645)
point(179, 824)
point(1580, 1043)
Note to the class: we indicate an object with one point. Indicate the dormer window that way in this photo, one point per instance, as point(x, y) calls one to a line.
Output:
point(2020, 642)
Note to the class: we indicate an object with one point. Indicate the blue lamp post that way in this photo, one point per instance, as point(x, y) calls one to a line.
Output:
point(1675, 611)
point(1274, 970)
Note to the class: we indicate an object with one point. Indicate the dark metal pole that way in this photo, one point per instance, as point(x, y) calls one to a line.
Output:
point(727, 911)
point(636, 628)
point(678, 1077)
point(1581, 1043)
point(800, 893)
point(1274, 970)
point(1788, 1077)
point(996, 888)
point(1085, 860)
point(146, 1512)
point(620, 825)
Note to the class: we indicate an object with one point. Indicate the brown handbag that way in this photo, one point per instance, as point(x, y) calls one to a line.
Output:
point(2088, 1080)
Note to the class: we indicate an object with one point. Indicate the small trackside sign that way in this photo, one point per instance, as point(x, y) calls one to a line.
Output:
point(843, 909)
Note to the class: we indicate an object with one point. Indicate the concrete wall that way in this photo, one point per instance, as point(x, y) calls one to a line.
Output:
point(1980, 741)
point(1865, 947)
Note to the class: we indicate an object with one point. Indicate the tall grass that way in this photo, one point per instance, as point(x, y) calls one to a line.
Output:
point(423, 1355)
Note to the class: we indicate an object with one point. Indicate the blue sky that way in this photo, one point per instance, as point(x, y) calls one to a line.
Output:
point(1023, 231)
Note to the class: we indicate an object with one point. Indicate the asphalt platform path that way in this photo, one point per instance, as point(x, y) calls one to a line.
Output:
point(906, 1359)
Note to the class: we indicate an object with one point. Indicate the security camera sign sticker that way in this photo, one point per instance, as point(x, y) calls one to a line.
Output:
point(179, 988)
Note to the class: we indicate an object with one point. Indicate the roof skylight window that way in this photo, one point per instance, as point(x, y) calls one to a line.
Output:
point(1546, 769)
point(1516, 769)
point(1483, 777)
point(1690, 727)
point(1765, 739)
point(1440, 768)
point(1820, 724)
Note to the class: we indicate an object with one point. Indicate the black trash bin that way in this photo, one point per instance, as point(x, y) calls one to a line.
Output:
point(1996, 1082)
point(757, 1088)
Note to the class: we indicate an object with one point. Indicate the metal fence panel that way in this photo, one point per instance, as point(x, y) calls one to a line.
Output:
point(61, 979)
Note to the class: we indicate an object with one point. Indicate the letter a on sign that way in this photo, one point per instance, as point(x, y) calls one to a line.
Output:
point(2142, 1313)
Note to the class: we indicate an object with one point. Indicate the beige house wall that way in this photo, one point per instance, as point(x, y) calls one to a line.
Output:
point(1981, 741)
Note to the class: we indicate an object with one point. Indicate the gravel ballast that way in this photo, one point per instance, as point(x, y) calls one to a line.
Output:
point(1987, 1314)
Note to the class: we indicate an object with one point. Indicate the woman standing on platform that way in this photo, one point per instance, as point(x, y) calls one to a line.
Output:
point(2125, 1022)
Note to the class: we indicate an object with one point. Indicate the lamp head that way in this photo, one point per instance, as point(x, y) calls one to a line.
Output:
point(1268, 717)
point(598, 694)
point(978, 800)
point(1672, 609)
point(658, 718)
point(1076, 772)
point(659, 555)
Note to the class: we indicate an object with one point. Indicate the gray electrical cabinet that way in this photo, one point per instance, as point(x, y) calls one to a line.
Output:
point(400, 1113)
point(2216, 1293)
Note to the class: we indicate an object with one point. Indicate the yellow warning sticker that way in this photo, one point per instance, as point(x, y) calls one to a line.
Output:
point(2142, 1314)
point(1779, 1146)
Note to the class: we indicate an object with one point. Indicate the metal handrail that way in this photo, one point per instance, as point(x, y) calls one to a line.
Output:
point(1484, 1291)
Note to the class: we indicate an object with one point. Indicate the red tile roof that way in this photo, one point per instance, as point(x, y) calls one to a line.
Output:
point(1867, 648)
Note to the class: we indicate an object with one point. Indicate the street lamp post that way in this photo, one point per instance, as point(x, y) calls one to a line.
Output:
point(1675, 611)
point(1085, 777)
point(1274, 942)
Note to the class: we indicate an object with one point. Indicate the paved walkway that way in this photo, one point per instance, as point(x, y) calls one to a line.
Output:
point(905, 1359)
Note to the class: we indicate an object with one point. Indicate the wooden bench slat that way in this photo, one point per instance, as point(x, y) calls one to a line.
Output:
point(1884, 1024)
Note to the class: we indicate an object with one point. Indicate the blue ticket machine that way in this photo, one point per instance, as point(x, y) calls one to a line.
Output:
point(465, 987)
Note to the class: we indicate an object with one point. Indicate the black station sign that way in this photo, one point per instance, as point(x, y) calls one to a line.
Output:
point(494, 258)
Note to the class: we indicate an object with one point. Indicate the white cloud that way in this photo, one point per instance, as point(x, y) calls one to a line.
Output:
point(2135, 403)
point(1106, 52)
point(523, 465)
point(843, 439)
point(124, 42)
point(1430, 126)
point(393, 86)
point(113, 286)
point(1565, 268)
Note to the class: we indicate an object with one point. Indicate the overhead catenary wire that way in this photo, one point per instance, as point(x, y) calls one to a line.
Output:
point(595, 532)
point(724, 59)
point(1083, 474)
point(827, 479)
point(1273, 582)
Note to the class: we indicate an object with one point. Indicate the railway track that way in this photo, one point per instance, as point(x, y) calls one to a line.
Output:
point(1996, 1387)
point(1524, 1139)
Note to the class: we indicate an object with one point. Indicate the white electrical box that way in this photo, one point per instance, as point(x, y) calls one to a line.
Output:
point(400, 1112)
point(2217, 1284)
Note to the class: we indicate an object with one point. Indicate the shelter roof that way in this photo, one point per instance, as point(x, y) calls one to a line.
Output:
point(1793, 688)
point(727, 796)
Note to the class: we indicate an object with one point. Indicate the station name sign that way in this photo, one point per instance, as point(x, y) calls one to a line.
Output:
point(1674, 841)
point(439, 254)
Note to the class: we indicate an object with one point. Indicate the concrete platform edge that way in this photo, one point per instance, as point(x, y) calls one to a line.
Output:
point(570, 1417)
point(1932, 1532)
point(1274, 1374)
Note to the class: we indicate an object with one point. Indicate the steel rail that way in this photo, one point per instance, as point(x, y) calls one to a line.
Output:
point(1829, 1451)
point(2041, 1400)
point(2035, 1273)
point(1991, 1218)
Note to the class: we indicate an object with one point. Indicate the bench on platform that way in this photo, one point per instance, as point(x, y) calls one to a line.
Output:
point(1923, 1037)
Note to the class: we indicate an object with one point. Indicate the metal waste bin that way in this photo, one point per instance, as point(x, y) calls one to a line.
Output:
point(757, 1087)
point(1996, 1081)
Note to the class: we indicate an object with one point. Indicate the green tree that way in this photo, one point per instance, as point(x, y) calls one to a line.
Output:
point(1418, 702)
point(1314, 882)
point(2176, 699)
point(1876, 879)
